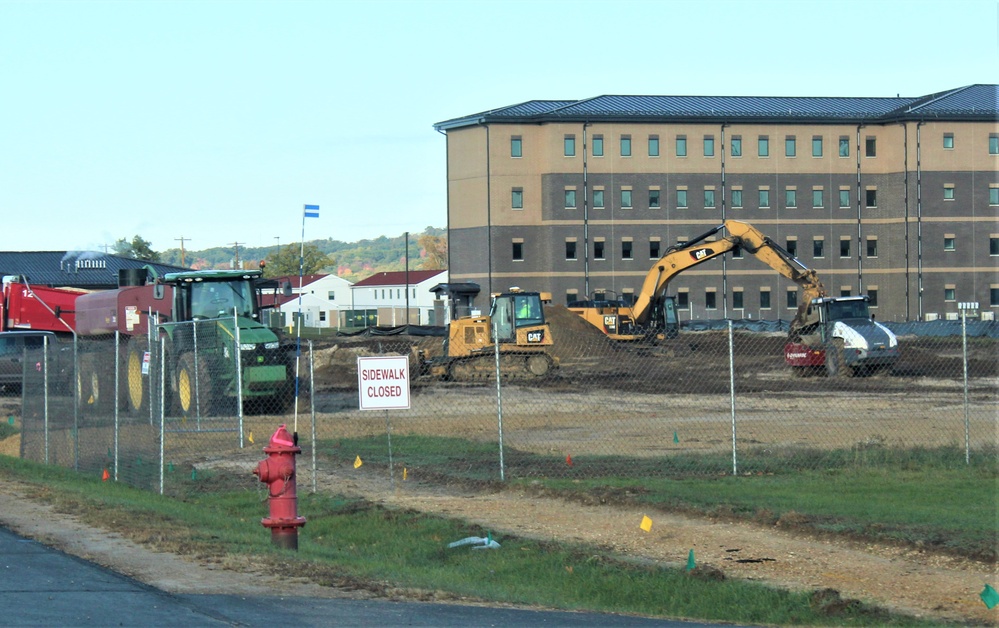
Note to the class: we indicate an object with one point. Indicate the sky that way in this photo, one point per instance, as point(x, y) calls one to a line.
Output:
point(216, 121)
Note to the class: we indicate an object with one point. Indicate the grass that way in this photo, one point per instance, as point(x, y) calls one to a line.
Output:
point(357, 544)
point(926, 497)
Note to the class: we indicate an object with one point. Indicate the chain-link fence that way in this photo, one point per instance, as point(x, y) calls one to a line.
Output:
point(169, 410)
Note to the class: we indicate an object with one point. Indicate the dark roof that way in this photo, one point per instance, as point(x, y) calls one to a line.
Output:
point(77, 269)
point(974, 102)
point(398, 278)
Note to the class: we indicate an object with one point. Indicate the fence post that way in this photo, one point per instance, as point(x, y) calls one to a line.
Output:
point(499, 400)
point(162, 406)
point(312, 409)
point(731, 388)
point(964, 307)
point(45, 391)
point(239, 374)
point(117, 376)
point(77, 400)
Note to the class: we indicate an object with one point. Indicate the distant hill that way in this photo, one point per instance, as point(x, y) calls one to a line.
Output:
point(355, 260)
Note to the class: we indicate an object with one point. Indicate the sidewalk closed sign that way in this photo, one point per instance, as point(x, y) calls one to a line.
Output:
point(383, 382)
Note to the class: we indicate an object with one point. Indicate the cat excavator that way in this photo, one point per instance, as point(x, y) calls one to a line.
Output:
point(837, 333)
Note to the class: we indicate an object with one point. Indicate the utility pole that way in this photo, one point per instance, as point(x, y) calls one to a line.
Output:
point(182, 240)
point(236, 244)
point(278, 238)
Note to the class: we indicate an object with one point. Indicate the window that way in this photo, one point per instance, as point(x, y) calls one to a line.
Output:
point(845, 291)
point(993, 297)
point(737, 252)
point(948, 192)
point(872, 296)
point(654, 249)
point(818, 201)
point(516, 146)
point(322, 316)
point(518, 251)
point(736, 146)
point(626, 247)
point(764, 299)
point(598, 145)
point(681, 199)
point(331, 295)
point(844, 198)
point(737, 300)
point(598, 249)
point(626, 146)
point(948, 139)
point(790, 198)
point(994, 245)
point(570, 249)
point(994, 143)
point(818, 247)
point(844, 146)
point(871, 198)
point(792, 246)
point(950, 294)
point(625, 199)
point(598, 199)
point(949, 242)
point(654, 199)
point(570, 199)
point(737, 198)
point(872, 246)
point(790, 146)
point(571, 296)
point(653, 146)
point(683, 299)
point(816, 146)
point(569, 146)
point(994, 196)
point(517, 198)
point(709, 199)
point(844, 247)
point(763, 146)
point(870, 147)
point(792, 298)
point(764, 198)
point(709, 145)
point(681, 145)
point(710, 298)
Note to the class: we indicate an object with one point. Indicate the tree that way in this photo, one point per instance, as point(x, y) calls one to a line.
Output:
point(285, 260)
point(436, 249)
point(138, 248)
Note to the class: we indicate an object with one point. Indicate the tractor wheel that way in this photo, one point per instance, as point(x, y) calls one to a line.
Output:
point(194, 387)
point(136, 383)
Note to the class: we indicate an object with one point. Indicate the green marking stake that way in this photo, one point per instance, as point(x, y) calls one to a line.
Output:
point(10, 420)
point(676, 439)
point(170, 467)
point(194, 474)
point(690, 560)
point(990, 597)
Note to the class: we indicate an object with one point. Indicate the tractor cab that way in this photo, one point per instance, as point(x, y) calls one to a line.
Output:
point(513, 311)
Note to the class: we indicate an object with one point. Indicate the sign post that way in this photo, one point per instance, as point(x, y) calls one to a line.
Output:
point(383, 384)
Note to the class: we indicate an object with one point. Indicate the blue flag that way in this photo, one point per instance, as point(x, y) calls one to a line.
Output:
point(312, 211)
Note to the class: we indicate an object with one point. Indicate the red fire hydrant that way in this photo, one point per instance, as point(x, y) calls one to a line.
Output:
point(278, 472)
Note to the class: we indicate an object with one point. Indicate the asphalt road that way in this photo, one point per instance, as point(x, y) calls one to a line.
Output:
point(41, 586)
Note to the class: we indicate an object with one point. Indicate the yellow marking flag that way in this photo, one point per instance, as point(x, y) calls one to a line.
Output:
point(358, 463)
point(251, 438)
point(405, 473)
point(646, 523)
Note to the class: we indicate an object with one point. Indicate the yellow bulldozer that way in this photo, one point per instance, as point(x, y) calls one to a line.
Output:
point(515, 333)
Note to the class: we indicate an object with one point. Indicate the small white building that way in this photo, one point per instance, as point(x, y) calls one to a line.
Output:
point(385, 298)
point(323, 297)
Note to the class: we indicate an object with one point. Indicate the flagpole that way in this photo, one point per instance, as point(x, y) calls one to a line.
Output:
point(307, 212)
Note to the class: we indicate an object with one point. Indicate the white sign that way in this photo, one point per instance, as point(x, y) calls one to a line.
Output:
point(383, 382)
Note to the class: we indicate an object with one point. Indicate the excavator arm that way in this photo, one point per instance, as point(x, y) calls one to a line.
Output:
point(680, 257)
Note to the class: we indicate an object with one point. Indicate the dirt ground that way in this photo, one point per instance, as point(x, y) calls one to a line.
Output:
point(912, 580)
